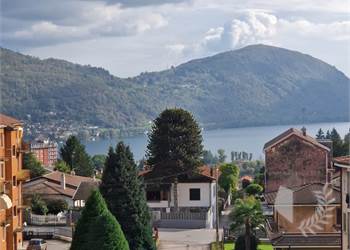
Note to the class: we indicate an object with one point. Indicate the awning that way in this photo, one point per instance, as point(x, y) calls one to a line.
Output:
point(5, 202)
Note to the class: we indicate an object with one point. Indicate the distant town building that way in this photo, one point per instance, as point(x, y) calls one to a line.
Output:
point(11, 177)
point(45, 151)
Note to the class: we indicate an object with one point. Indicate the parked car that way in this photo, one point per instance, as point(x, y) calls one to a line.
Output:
point(37, 244)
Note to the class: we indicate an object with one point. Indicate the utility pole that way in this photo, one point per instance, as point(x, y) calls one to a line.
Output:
point(217, 208)
point(176, 202)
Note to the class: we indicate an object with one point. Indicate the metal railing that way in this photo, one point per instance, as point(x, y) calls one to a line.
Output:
point(41, 220)
point(183, 216)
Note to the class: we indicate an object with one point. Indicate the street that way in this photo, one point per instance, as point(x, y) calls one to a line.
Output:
point(177, 239)
point(54, 245)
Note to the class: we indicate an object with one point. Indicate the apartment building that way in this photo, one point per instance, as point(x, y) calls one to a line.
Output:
point(45, 151)
point(11, 177)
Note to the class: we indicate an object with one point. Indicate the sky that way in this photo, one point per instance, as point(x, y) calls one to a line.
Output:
point(128, 37)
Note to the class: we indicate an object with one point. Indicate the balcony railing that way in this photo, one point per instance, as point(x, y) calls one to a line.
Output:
point(23, 175)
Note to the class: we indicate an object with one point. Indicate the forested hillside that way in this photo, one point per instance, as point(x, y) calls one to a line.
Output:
point(256, 85)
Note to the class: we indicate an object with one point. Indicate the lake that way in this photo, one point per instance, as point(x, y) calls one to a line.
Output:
point(250, 139)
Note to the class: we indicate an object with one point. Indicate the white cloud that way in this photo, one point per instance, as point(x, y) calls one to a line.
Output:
point(262, 27)
point(97, 21)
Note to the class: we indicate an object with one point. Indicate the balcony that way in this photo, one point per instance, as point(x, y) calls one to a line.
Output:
point(25, 148)
point(23, 175)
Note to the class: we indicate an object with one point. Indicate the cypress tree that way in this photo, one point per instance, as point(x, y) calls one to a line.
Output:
point(125, 197)
point(97, 228)
point(75, 156)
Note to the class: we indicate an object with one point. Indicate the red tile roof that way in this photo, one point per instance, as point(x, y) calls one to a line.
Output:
point(8, 121)
point(290, 132)
point(204, 171)
point(71, 180)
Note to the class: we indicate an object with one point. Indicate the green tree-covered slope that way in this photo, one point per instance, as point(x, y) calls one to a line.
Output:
point(256, 85)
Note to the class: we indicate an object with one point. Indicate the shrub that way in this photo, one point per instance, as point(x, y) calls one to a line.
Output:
point(55, 206)
point(38, 205)
point(254, 189)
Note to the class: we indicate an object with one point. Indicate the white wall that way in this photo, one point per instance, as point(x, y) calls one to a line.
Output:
point(157, 204)
point(184, 194)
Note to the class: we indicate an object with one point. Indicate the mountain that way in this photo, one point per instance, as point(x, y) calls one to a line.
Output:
point(255, 85)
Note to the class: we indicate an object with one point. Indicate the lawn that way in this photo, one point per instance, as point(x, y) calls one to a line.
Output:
point(230, 246)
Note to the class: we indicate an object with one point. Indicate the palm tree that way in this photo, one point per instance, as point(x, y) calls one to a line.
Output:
point(247, 213)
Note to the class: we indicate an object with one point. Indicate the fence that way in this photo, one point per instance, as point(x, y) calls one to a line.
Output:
point(46, 232)
point(183, 216)
point(44, 220)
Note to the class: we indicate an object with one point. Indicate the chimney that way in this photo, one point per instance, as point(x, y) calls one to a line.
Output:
point(303, 129)
point(63, 181)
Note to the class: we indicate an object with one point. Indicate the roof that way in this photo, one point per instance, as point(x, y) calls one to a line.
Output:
point(205, 174)
point(47, 188)
point(71, 180)
point(342, 161)
point(305, 194)
point(290, 132)
point(8, 121)
point(84, 190)
point(50, 184)
point(320, 240)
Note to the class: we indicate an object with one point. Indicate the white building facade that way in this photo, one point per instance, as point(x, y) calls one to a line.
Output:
point(196, 199)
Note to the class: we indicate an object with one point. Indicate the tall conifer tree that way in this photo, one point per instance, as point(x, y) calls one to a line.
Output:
point(97, 228)
point(125, 197)
point(75, 156)
point(175, 144)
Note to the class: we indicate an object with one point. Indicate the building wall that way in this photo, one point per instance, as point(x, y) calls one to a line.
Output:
point(345, 208)
point(206, 203)
point(302, 213)
point(295, 162)
point(11, 156)
point(184, 194)
point(46, 152)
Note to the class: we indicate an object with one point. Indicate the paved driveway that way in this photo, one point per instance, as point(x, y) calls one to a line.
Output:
point(54, 245)
point(183, 239)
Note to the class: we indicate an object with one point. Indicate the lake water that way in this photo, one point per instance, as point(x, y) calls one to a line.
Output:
point(250, 140)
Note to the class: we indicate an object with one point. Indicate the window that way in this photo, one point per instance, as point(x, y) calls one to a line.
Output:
point(153, 195)
point(1, 139)
point(14, 211)
point(13, 150)
point(339, 214)
point(14, 181)
point(2, 170)
point(195, 194)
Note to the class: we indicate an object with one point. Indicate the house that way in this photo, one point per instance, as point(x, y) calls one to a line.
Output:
point(56, 185)
point(45, 151)
point(343, 164)
point(301, 220)
point(294, 158)
point(11, 177)
point(195, 199)
point(305, 205)
point(83, 193)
